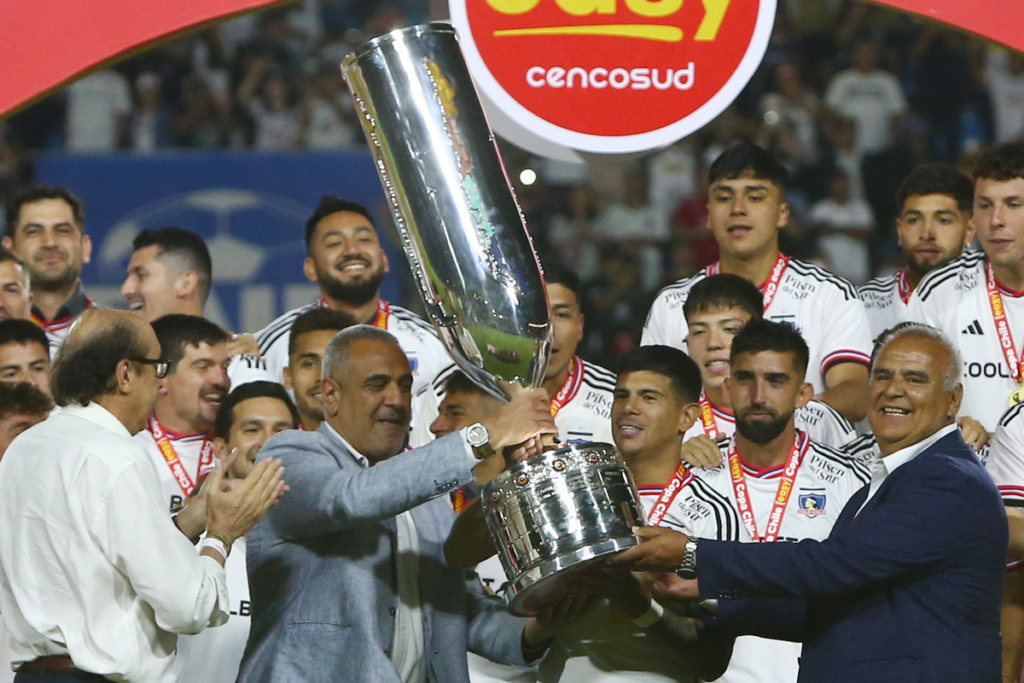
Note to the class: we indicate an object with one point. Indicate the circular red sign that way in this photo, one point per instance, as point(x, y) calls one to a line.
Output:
point(613, 75)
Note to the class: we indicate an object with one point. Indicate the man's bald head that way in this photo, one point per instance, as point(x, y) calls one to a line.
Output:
point(98, 341)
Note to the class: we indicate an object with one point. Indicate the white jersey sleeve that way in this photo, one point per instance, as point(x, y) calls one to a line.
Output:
point(666, 324)
point(273, 342)
point(1006, 456)
point(824, 424)
point(845, 335)
point(245, 369)
point(883, 304)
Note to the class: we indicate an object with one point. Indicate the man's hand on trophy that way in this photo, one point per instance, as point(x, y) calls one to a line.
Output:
point(525, 417)
point(676, 593)
point(659, 550)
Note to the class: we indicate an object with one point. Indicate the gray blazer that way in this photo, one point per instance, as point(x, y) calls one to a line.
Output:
point(322, 568)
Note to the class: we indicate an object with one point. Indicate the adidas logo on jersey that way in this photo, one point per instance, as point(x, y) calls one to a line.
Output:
point(973, 328)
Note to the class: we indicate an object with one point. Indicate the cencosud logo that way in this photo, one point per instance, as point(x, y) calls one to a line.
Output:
point(613, 76)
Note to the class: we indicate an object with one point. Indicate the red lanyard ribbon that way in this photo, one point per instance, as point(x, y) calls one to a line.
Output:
point(383, 311)
point(903, 285)
point(995, 301)
point(770, 286)
point(570, 387)
point(163, 442)
point(739, 486)
point(676, 484)
point(707, 417)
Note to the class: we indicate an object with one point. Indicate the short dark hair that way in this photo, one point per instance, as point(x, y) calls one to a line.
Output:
point(682, 372)
point(22, 398)
point(85, 369)
point(176, 332)
point(226, 415)
point(316, 320)
point(557, 273)
point(768, 335)
point(37, 193)
point(936, 178)
point(330, 204)
point(18, 331)
point(724, 291)
point(182, 244)
point(1001, 162)
point(744, 159)
point(459, 383)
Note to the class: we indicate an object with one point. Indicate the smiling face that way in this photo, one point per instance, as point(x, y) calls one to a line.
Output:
point(745, 215)
point(932, 231)
point(149, 288)
point(999, 220)
point(255, 421)
point(567, 328)
point(648, 417)
point(709, 341)
point(765, 389)
point(908, 400)
point(50, 243)
point(197, 385)
point(302, 376)
point(26, 363)
point(368, 398)
point(346, 258)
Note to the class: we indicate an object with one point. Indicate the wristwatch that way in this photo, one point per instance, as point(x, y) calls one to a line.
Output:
point(688, 569)
point(478, 438)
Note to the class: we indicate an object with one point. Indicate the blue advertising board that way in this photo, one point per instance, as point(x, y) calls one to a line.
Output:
point(250, 207)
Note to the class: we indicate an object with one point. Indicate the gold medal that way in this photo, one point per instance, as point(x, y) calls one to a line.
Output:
point(1016, 396)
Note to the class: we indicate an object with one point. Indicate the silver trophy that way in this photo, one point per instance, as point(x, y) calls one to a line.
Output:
point(481, 283)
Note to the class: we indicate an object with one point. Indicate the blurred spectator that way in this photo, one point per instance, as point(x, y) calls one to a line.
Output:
point(672, 176)
point(266, 96)
point(639, 225)
point(204, 121)
point(788, 118)
point(152, 123)
point(1004, 73)
point(97, 111)
point(615, 306)
point(868, 95)
point(693, 244)
point(571, 234)
point(328, 113)
point(844, 228)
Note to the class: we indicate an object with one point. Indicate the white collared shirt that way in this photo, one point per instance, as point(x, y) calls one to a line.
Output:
point(91, 564)
point(884, 466)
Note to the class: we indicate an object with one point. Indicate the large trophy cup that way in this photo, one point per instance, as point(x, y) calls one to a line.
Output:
point(481, 283)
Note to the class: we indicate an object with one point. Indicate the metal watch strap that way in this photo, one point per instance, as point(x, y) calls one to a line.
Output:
point(688, 569)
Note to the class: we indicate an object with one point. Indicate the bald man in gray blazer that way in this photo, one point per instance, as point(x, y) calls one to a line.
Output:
point(347, 574)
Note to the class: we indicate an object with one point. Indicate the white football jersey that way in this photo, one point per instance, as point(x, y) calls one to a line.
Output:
point(885, 301)
point(244, 369)
point(1006, 456)
point(607, 647)
point(706, 508)
point(954, 299)
point(427, 355)
point(214, 654)
point(825, 309)
point(820, 420)
point(188, 448)
point(587, 415)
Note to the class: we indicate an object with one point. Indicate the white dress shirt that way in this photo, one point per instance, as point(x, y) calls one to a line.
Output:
point(884, 466)
point(91, 564)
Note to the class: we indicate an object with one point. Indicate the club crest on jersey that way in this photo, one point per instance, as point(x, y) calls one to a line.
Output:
point(811, 504)
point(414, 364)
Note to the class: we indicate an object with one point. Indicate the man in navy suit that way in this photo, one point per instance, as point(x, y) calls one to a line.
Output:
point(907, 587)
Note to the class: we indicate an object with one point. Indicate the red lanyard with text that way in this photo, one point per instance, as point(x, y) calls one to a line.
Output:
point(995, 302)
point(570, 387)
point(903, 285)
point(676, 484)
point(739, 487)
point(383, 311)
point(707, 417)
point(163, 442)
point(771, 285)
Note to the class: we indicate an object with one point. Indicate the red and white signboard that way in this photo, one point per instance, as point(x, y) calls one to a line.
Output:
point(613, 76)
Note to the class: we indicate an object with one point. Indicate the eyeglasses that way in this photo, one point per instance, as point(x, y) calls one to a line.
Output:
point(162, 366)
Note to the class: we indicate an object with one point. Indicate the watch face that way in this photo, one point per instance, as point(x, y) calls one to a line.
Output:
point(477, 435)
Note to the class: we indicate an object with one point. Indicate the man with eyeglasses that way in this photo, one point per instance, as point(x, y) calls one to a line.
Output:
point(96, 581)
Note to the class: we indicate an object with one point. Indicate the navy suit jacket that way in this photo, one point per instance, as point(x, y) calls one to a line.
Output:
point(907, 590)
